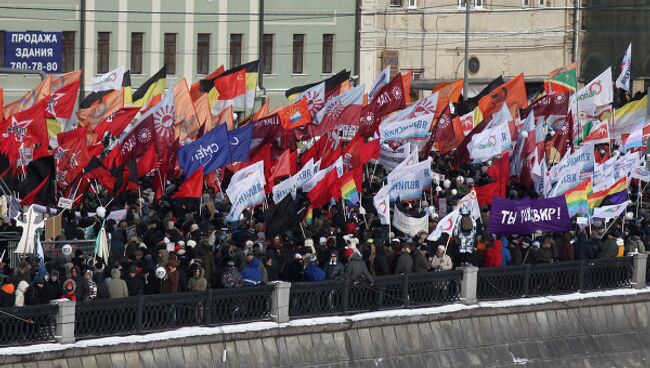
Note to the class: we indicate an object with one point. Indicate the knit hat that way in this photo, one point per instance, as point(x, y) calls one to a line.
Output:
point(191, 243)
point(297, 256)
point(133, 269)
point(40, 280)
point(313, 258)
point(194, 227)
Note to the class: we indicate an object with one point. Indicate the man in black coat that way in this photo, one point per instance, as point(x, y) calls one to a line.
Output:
point(53, 288)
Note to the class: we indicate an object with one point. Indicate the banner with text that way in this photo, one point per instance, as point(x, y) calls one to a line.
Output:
point(528, 215)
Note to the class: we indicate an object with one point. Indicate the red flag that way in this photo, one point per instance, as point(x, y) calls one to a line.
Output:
point(116, 122)
point(448, 132)
point(512, 93)
point(213, 180)
point(192, 187)
point(295, 115)
point(559, 145)
point(231, 85)
point(27, 126)
point(330, 157)
point(61, 103)
point(147, 163)
point(318, 149)
point(72, 135)
point(30, 198)
point(70, 158)
point(369, 151)
point(136, 143)
point(285, 166)
point(321, 193)
point(389, 98)
point(500, 172)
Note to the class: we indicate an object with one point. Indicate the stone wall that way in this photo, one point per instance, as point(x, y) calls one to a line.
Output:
point(609, 331)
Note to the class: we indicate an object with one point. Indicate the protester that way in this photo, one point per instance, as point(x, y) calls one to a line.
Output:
point(117, 288)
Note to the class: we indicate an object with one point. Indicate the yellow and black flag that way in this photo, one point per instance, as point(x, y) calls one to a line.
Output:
point(152, 89)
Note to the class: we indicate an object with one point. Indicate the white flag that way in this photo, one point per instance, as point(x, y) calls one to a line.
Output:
point(598, 92)
point(284, 188)
point(110, 80)
point(609, 212)
point(315, 97)
point(382, 204)
point(427, 105)
point(382, 79)
point(241, 174)
point(470, 202)
point(248, 192)
point(490, 142)
point(446, 225)
point(623, 80)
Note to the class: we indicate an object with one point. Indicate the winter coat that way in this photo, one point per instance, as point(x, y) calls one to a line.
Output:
point(356, 270)
point(117, 287)
point(271, 273)
point(634, 243)
point(35, 295)
point(421, 262)
point(506, 257)
point(135, 285)
point(313, 273)
point(543, 255)
point(170, 284)
point(381, 262)
point(295, 271)
point(7, 295)
point(70, 295)
point(53, 289)
point(517, 256)
point(21, 290)
point(493, 257)
point(91, 293)
point(251, 274)
point(334, 271)
point(441, 263)
point(583, 248)
point(197, 283)
point(231, 278)
point(609, 249)
point(404, 264)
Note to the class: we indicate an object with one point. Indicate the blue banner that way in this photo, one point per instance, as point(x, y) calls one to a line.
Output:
point(34, 50)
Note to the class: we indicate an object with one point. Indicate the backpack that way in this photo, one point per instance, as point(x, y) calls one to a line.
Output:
point(466, 224)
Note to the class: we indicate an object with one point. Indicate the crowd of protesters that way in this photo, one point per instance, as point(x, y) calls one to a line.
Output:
point(200, 250)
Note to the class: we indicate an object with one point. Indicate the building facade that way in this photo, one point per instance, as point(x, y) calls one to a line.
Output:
point(507, 37)
point(303, 41)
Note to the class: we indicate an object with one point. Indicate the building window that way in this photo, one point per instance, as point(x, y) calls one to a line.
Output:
point(235, 49)
point(541, 3)
point(68, 52)
point(267, 54)
point(476, 3)
point(328, 52)
point(103, 56)
point(412, 4)
point(298, 53)
point(396, 3)
point(137, 39)
point(526, 2)
point(203, 53)
point(170, 53)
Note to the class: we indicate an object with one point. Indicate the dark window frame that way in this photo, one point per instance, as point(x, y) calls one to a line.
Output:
point(328, 53)
point(137, 52)
point(203, 53)
point(169, 49)
point(236, 49)
point(103, 52)
point(298, 64)
point(267, 53)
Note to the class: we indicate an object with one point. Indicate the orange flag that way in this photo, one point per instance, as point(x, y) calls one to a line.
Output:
point(295, 115)
point(195, 90)
point(406, 86)
point(513, 93)
point(30, 98)
point(224, 117)
point(59, 81)
point(186, 123)
point(102, 109)
point(202, 109)
point(447, 93)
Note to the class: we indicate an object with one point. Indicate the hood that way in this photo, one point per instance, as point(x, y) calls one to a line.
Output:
point(65, 284)
point(8, 288)
point(22, 286)
point(497, 244)
point(255, 262)
point(116, 274)
point(201, 272)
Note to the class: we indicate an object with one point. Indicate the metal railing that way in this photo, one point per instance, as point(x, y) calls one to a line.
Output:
point(554, 278)
point(51, 249)
point(146, 313)
point(29, 324)
point(387, 292)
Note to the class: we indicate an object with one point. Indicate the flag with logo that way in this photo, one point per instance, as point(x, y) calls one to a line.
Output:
point(30, 98)
point(512, 93)
point(236, 87)
point(295, 115)
point(339, 111)
point(315, 97)
point(138, 140)
point(599, 133)
point(110, 80)
point(186, 122)
point(447, 93)
point(562, 80)
point(249, 192)
point(211, 151)
point(490, 142)
point(381, 80)
point(240, 141)
point(445, 226)
point(423, 106)
point(623, 80)
point(598, 92)
point(610, 212)
point(100, 109)
point(381, 201)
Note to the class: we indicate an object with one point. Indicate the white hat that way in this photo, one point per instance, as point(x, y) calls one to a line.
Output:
point(194, 227)
point(620, 242)
point(181, 243)
point(191, 243)
point(297, 256)
point(249, 243)
point(322, 240)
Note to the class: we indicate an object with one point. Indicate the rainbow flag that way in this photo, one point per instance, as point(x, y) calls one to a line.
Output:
point(577, 198)
point(349, 191)
point(309, 217)
point(616, 194)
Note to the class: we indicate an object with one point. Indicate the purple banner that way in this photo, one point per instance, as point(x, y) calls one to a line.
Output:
point(528, 215)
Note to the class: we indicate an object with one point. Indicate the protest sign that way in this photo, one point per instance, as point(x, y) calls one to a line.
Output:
point(410, 225)
point(528, 215)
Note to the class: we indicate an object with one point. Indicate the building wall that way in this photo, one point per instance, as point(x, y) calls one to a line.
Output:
point(188, 18)
point(506, 36)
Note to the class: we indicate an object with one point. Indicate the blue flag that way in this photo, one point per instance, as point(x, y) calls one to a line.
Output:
point(211, 151)
point(240, 142)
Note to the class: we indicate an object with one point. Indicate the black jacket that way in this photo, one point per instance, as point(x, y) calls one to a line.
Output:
point(135, 285)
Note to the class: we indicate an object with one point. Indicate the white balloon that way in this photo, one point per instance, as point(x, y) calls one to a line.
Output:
point(447, 183)
point(161, 273)
point(454, 192)
point(438, 189)
point(66, 249)
point(101, 212)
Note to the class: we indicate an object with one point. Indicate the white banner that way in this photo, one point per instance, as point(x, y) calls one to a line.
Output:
point(381, 202)
point(584, 158)
point(427, 105)
point(381, 80)
point(416, 128)
point(389, 158)
point(241, 174)
point(284, 188)
point(490, 143)
point(446, 225)
point(249, 192)
point(623, 80)
point(598, 92)
point(307, 171)
point(410, 225)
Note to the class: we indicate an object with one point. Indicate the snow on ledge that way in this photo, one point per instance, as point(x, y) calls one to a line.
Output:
point(317, 321)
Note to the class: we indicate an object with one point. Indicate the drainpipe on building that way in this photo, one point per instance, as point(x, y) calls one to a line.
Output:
point(465, 72)
point(260, 43)
point(357, 37)
point(576, 30)
point(82, 49)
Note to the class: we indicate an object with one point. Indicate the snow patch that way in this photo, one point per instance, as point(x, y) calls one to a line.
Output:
point(267, 325)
